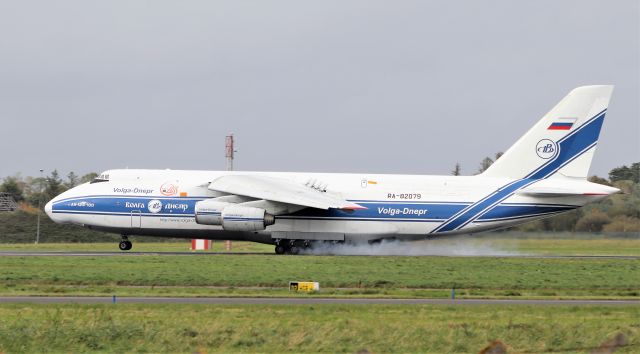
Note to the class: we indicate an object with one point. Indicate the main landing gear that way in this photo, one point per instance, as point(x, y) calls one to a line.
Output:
point(291, 246)
point(125, 244)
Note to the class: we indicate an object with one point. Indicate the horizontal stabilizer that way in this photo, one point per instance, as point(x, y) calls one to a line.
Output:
point(549, 192)
point(568, 189)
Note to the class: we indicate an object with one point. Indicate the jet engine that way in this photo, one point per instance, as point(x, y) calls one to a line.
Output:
point(241, 218)
point(209, 212)
point(232, 217)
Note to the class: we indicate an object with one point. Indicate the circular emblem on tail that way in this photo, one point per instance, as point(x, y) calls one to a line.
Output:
point(546, 149)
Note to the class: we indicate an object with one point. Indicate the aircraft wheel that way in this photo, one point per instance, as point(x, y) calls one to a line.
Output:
point(124, 246)
point(280, 249)
point(129, 245)
point(294, 250)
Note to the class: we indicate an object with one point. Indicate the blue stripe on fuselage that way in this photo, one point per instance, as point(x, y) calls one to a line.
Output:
point(388, 210)
point(377, 210)
point(478, 208)
point(125, 204)
point(509, 211)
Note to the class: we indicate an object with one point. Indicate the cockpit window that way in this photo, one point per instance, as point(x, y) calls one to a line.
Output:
point(104, 177)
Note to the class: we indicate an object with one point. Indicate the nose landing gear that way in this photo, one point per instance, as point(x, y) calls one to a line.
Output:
point(125, 244)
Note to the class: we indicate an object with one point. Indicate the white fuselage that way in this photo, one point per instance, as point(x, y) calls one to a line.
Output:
point(161, 203)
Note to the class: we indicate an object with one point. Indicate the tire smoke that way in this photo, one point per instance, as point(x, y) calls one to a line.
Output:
point(442, 247)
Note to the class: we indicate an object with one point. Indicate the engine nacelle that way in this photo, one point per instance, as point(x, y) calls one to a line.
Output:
point(209, 212)
point(241, 218)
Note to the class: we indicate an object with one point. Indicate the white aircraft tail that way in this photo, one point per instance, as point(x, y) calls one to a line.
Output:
point(562, 142)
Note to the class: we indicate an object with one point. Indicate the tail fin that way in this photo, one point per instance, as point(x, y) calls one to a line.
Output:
point(563, 141)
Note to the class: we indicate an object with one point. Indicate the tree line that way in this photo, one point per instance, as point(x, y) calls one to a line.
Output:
point(34, 191)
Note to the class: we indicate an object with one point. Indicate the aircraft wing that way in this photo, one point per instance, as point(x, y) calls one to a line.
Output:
point(280, 190)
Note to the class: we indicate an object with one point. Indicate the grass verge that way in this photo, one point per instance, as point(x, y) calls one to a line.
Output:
point(550, 244)
point(256, 275)
point(316, 328)
point(184, 246)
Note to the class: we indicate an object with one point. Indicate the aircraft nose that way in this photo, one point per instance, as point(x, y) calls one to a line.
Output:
point(48, 209)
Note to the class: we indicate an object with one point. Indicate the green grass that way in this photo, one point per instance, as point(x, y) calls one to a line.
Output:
point(506, 242)
point(268, 275)
point(182, 246)
point(321, 328)
point(376, 276)
point(316, 328)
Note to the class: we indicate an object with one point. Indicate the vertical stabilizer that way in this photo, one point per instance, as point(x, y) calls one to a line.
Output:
point(563, 141)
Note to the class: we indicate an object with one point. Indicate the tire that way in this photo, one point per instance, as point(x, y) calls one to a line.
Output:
point(123, 246)
point(129, 245)
point(280, 249)
point(294, 250)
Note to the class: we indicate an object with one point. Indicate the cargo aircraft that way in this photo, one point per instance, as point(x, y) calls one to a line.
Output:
point(543, 174)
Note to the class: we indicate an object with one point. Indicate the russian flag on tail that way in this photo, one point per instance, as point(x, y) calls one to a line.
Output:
point(562, 124)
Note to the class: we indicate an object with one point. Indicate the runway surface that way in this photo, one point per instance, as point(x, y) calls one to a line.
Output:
point(112, 254)
point(303, 301)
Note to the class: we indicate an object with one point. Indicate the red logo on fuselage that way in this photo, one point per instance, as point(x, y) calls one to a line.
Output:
point(168, 189)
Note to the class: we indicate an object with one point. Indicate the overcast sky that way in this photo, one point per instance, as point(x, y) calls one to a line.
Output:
point(335, 86)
